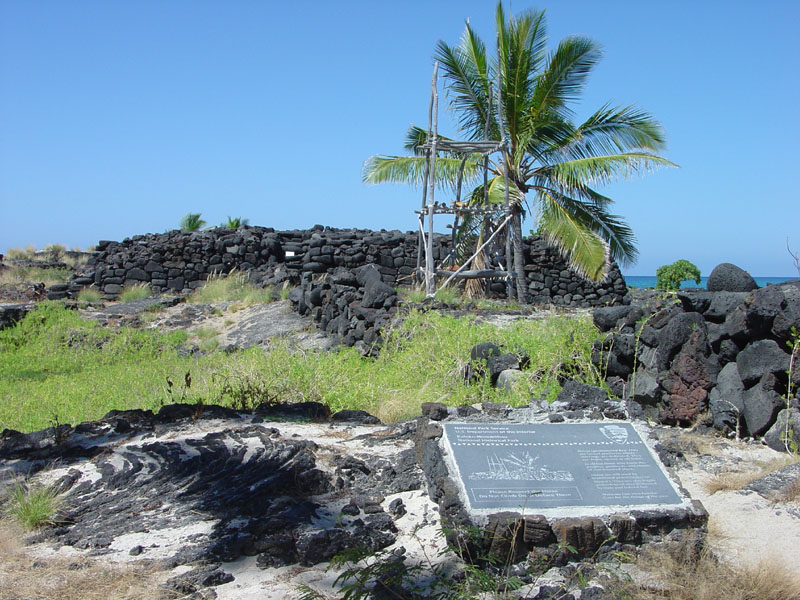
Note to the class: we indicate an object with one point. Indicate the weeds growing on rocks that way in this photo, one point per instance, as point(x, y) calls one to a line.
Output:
point(135, 292)
point(233, 287)
point(89, 295)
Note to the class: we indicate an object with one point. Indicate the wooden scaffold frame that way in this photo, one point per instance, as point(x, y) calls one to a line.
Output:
point(430, 207)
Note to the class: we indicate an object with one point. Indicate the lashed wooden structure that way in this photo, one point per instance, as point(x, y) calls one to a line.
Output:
point(430, 207)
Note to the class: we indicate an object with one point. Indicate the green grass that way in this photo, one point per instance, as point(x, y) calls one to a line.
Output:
point(454, 297)
point(32, 506)
point(87, 295)
point(283, 291)
point(207, 338)
point(136, 291)
point(234, 287)
point(55, 366)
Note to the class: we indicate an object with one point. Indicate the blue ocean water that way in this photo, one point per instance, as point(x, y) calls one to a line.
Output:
point(649, 281)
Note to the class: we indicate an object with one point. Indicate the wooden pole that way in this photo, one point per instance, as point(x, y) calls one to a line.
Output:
point(430, 288)
point(421, 246)
point(456, 218)
point(505, 152)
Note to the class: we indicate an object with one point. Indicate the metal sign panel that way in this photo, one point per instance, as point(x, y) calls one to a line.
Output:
point(522, 466)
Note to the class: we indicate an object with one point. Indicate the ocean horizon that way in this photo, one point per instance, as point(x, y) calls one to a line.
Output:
point(649, 281)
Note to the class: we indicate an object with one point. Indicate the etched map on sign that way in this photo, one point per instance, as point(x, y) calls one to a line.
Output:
point(518, 466)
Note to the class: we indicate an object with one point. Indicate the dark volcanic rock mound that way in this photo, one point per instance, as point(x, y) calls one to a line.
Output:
point(724, 352)
point(205, 485)
point(727, 277)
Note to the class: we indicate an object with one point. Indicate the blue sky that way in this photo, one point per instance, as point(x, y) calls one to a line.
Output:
point(117, 118)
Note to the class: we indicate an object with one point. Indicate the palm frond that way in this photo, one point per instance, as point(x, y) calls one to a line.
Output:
point(564, 77)
point(466, 71)
point(584, 250)
point(497, 193)
point(602, 169)
point(541, 180)
point(610, 130)
point(521, 52)
point(595, 217)
point(192, 222)
point(416, 137)
point(411, 170)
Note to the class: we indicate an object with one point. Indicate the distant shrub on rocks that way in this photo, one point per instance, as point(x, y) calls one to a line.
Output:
point(670, 277)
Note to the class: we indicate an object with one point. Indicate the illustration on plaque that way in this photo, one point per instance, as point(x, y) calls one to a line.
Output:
point(522, 467)
point(615, 433)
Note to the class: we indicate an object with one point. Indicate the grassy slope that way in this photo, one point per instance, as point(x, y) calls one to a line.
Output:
point(58, 368)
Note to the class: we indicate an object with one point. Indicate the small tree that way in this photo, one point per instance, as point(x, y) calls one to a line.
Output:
point(192, 222)
point(669, 277)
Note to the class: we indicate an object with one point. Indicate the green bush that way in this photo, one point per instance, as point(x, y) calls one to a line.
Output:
point(669, 277)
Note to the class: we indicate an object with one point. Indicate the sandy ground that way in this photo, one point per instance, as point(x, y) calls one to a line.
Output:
point(744, 527)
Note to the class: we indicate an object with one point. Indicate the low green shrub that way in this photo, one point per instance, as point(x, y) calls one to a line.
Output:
point(285, 290)
point(669, 277)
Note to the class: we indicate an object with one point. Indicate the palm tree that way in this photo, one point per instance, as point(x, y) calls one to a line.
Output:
point(551, 163)
point(235, 223)
point(192, 222)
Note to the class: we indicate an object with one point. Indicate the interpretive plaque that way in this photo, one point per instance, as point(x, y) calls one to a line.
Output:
point(522, 466)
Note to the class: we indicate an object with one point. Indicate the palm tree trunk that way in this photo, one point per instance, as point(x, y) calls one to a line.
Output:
point(519, 257)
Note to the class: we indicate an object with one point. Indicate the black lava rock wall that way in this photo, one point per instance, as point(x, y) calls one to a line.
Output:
point(180, 262)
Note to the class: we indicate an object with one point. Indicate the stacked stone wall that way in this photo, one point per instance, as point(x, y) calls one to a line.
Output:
point(179, 262)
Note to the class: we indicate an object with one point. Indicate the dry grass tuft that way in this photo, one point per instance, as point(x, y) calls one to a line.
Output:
point(58, 577)
point(730, 481)
point(710, 579)
point(790, 495)
point(735, 480)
